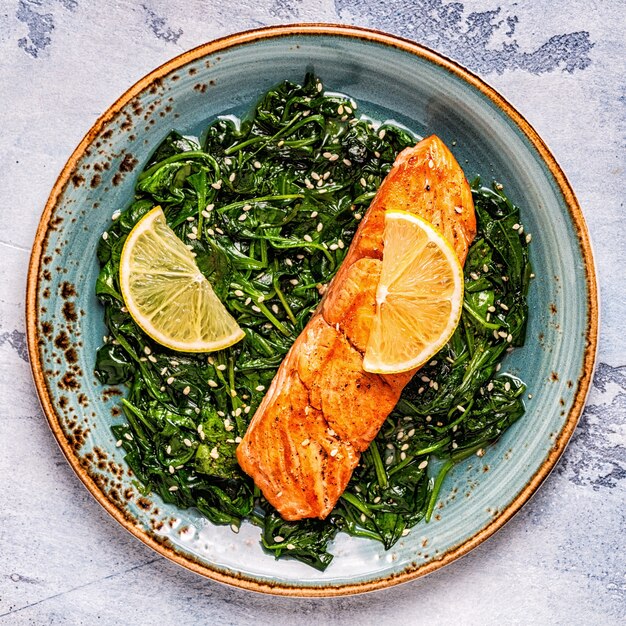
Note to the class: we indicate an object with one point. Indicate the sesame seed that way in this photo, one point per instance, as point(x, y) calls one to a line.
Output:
point(490, 387)
point(233, 393)
point(507, 386)
point(377, 154)
point(214, 454)
point(290, 546)
point(460, 408)
point(402, 456)
point(234, 528)
point(115, 215)
point(340, 244)
point(340, 109)
point(327, 155)
point(319, 87)
point(363, 182)
point(515, 226)
point(326, 175)
point(480, 452)
point(502, 334)
point(382, 133)
point(171, 469)
point(248, 301)
point(315, 176)
point(219, 230)
point(221, 367)
point(210, 207)
point(491, 309)
point(288, 262)
point(333, 452)
point(238, 293)
point(255, 308)
point(260, 387)
point(503, 306)
point(173, 488)
point(347, 162)
point(357, 216)
point(212, 383)
point(191, 218)
point(211, 232)
point(532, 275)
point(152, 358)
point(308, 238)
point(246, 207)
point(425, 379)
point(275, 308)
point(168, 449)
point(192, 236)
point(237, 439)
point(105, 235)
point(319, 227)
point(147, 350)
point(197, 411)
point(320, 182)
point(363, 518)
point(143, 359)
point(455, 445)
point(217, 185)
point(242, 217)
point(279, 539)
point(405, 532)
point(314, 214)
point(530, 396)
point(429, 418)
point(474, 276)
point(498, 367)
point(347, 109)
point(206, 214)
point(186, 390)
point(187, 442)
point(257, 165)
point(509, 338)
point(376, 499)
point(458, 209)
point(528, 238)
point(333, 246)
point(294, 281)
point(420, 390)
point(423, 465)
point(247, 410)
point(281, 143)
point(118, 443)
point(333, 157)
point(404, 447)
point(221, 413)
point(431, 163)
point(521, 230)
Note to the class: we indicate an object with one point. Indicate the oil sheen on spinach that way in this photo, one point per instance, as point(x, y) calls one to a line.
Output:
point(275, 200)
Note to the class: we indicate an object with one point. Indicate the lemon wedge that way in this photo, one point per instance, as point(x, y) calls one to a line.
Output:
point(419, 298)
point(167, 295)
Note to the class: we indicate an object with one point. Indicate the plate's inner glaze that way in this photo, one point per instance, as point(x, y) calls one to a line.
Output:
point(387, 83)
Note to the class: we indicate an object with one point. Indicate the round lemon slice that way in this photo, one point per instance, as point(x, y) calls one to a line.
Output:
point(167, 295)
point(419, 298)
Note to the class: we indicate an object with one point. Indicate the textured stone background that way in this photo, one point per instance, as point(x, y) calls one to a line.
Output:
point(64, 561)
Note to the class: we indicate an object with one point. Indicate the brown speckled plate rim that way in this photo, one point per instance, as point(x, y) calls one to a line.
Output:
point(583, 383)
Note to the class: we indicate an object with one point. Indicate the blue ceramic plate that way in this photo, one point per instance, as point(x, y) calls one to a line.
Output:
point(390, 78)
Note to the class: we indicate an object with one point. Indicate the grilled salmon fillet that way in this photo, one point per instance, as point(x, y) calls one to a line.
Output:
point(322, 409)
